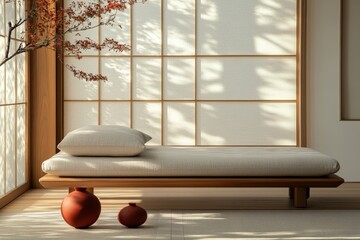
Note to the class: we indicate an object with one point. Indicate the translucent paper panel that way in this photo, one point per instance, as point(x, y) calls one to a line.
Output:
point(76, 89)
point(10, 153)
point(179, 27)
point(179, 78)
point(115, 113)
point(247, 78)
point(147, 118)
point(92, 33)
point(2, 18)
point(20, 144)
point(20, 14)
point(79, 114)
point(2, 151)
point(2, 45)
point(247, 123)
point(20, 78)
point(147, 79)
point(120, 32)
point(10, 70)
point(2, 70)
point(117, 87)
point(179, 127)
point(9, 15)
point(247, 27)
point(147, 28)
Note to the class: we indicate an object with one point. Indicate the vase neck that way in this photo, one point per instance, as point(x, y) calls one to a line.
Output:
point(80, 189)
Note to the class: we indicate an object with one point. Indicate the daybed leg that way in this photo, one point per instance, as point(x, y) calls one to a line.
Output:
point(300, 197)
point(90, 190)
point(291, 193)
point(307, 193)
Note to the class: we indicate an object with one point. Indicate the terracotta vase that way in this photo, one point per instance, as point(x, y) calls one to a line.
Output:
point(80, 208)
point(132, 216)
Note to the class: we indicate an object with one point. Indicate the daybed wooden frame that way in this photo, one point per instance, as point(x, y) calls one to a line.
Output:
point(299, 187)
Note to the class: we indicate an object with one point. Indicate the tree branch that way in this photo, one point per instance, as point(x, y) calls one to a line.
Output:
point(8, 40)
point(47, 27)
point(18, 51)
point(11, 29)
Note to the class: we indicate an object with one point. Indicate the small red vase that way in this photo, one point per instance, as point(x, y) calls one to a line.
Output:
point(80, 208)
point(132, 216)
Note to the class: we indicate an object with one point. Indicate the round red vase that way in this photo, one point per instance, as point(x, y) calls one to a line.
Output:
point(80, 208)
point(132, 216)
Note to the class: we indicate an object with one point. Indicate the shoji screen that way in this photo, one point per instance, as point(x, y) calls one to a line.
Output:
point(200, 72)
point(13, 106)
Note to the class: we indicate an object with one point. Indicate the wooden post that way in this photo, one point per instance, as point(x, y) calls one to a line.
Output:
point(42, 84)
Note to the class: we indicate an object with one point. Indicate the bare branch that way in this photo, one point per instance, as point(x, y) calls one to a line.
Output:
point(11, 29)
point(8, 40)
point(18, 51)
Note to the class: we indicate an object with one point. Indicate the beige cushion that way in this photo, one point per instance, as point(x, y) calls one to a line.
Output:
point(158, 161)
point(105, 140)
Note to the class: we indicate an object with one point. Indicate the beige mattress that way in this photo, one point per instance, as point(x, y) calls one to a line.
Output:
point(198, 162)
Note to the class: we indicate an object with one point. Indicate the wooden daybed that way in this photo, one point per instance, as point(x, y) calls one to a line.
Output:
point(297, 169)
point(299, 188)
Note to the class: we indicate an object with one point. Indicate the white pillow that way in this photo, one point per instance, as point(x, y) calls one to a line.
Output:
point(104, 140)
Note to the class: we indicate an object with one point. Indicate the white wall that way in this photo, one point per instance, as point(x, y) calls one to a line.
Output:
point(351, 53)
point(326, 133)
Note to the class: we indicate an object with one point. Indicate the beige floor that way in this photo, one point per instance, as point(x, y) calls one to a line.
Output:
point(193, 214)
